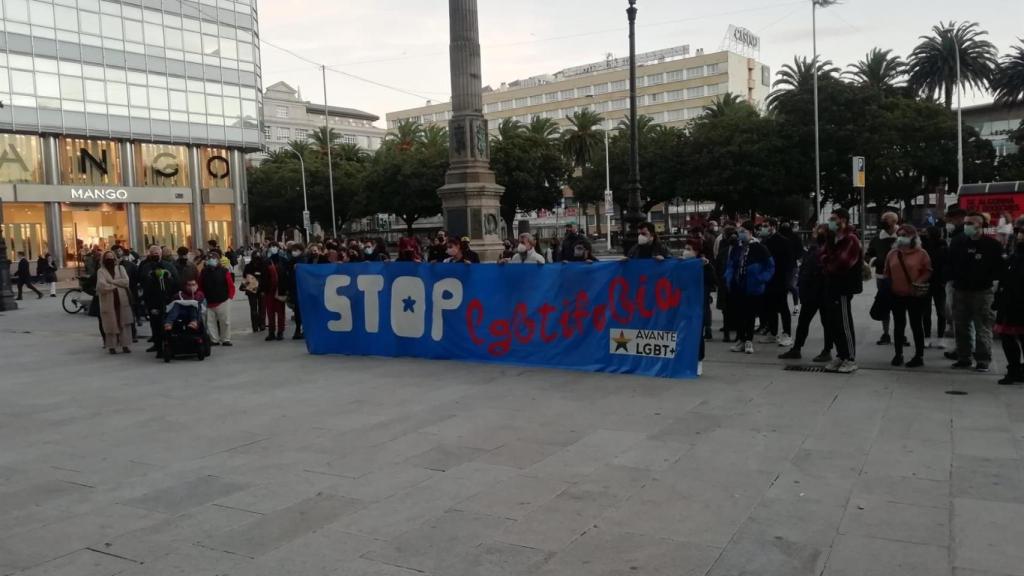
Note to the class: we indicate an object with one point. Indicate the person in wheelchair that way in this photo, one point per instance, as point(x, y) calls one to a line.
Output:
point(188, 306)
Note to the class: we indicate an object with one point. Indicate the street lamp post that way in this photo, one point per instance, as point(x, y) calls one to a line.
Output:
point(959, 121)
point(633, 216)
point(817, 137)
point(330, 165)
point(608, 208)
point(305, 200)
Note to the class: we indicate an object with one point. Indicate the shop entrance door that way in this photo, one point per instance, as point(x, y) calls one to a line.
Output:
point(173, 234)
point(88, 225)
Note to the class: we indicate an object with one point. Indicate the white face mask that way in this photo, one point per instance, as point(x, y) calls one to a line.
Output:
point(522, 249)
point(368, 250)
point(643, 239)
point(452, 252)
point(296, 253)
point(950, 228)
point(689, 254)
point(273, 250)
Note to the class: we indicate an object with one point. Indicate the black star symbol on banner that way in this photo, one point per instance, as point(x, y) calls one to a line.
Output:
point(621, 342)
point(408, 305)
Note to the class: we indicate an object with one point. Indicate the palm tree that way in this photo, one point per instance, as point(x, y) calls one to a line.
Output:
point(644, 126)
point(406, 134)
point(726, 104)
point(435, 137)
point(509, 128)
point(583, 138)
point(1008, 83)
point(932, 68)
point(319, 137)
point(350, 153)
point(546, 128)
point(800, 76)
point(302, 147)
point(879, 70)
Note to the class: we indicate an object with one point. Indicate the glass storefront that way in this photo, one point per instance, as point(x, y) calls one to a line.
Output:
point(88, 225)
point(20, 158)
point(166, 225)
point(161, 165)
point(216, 170)
point(85, 161)
point(219, 224)
point(24, 229)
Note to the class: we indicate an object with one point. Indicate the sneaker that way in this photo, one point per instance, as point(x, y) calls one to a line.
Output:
point(915, 362)
point(793, 354)
point(270, 337)
point(785, 340)
point(981, 367)
point(833, 366)
point(1013, 376)
point(748, 347)
point(822, 358)
point(766, 339)
point(228, 343)
point(950, 355)
point(737, 347)
point(847, 367)
point(897, 360)
point(700, 368)
point(885, 340)
point(961, 365)
point(708, 335)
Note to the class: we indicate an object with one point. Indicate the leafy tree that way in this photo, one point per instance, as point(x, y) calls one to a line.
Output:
point(727, 103)
point(406, 135)
point(321, 136)
point(1008, 84)
point(932, 67)
point(583, 137)
point(528, 162)
point(404, 180)
point(546, 128)
point(879, 70)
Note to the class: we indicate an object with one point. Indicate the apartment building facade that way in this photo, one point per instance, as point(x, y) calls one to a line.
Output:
point(288, 117)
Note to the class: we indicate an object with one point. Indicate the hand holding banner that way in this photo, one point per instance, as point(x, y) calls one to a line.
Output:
point(639, 317)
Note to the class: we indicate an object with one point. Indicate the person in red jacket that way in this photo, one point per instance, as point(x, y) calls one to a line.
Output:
point(841, 263)
point(217, 283)
point(273, 302)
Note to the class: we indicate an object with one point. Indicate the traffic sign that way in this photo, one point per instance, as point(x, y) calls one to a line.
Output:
point(859, 172)
point(305, 219)
point(609, 203)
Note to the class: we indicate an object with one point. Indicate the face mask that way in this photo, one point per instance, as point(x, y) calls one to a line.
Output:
point(688, 255)
point(714, 229)
point(744, 237)
point(522, 249)
point(765, 232)
point(578, 252)
point(368, 251)
point(108, 262)
point(273, 250)
point(904, 241)
point(452, 252)
point(950, 228)
point(296, 253)
point(833, 226)
point(970, 230)
point(153, 257)
point(211, 262)
point(643, 239)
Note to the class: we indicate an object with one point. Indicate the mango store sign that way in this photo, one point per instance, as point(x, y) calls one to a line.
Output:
point(48, 193)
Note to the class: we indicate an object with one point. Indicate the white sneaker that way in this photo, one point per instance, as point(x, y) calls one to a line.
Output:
point(834, 365)
point(785, 340)
point(766, 339)
point(737, 347)
point(847, 367)
point(700, 368)
point(748, 347)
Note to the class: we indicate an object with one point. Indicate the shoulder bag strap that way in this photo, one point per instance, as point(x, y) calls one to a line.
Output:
point(905, 271)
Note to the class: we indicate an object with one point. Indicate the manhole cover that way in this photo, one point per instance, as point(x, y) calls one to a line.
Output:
point(956, 392)
point(796, 368)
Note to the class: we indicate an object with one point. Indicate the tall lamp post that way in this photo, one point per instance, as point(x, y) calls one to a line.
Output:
point(633, 216)
point(608, 206)
point(330, 164)
point(817, 124)
point(959, 114)
point(305, 200)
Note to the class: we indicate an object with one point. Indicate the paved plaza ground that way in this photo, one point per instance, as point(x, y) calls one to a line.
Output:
point(264, 461)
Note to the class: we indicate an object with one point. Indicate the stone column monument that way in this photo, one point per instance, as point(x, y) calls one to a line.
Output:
point(470, 196)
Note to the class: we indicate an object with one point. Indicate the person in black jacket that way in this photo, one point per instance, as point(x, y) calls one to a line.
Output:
point(975, 263)
point(878, 249)
point(776, 304)
point(1009, 305)
point(938, 252)
point(725, 247)
point(159, 285)
point(788, 231)
point(252, 285)
point(24, 276)
point(436, 252)
point(569, 241)
point(647, 244)
point(46, 270)
point(811, 284)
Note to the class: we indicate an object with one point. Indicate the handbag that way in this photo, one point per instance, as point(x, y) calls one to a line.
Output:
point(917, 289)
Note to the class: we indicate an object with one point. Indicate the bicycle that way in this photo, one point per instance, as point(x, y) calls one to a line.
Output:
point(77, 300)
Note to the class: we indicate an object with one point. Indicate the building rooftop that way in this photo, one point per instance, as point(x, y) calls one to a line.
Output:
point(341, 112)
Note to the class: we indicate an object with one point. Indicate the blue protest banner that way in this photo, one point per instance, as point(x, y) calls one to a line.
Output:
point(637, 317)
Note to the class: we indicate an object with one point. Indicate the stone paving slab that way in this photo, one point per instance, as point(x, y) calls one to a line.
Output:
point(265, 461)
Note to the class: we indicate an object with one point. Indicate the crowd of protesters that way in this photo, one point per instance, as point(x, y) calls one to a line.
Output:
point(952, 278)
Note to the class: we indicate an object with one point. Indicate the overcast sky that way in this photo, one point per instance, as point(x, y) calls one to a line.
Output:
point(404, 43)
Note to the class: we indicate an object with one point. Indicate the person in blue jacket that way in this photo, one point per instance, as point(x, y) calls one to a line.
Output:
point(747, 272)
